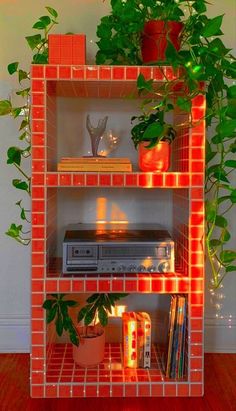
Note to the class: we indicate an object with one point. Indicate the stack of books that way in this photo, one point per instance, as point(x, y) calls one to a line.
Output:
point(176, 349)
point(136, 339)
point(97, 164)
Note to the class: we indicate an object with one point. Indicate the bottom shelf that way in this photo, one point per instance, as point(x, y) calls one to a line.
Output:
point(109, 379)
point(62, 369)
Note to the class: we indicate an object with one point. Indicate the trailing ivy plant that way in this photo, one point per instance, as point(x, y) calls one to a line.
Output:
point(16, 155)
point(203, 57)
point(97, 307)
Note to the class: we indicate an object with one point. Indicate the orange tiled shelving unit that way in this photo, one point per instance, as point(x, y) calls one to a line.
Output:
point(53, 373)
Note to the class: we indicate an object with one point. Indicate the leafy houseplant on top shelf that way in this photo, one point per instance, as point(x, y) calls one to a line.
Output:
point(202, 57)
point(138, 24)
point(88, 339)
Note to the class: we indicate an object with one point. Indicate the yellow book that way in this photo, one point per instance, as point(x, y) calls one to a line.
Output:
point(98, 167)
point(89, 160)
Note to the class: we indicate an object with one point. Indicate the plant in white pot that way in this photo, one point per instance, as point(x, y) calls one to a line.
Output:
point(88, 339)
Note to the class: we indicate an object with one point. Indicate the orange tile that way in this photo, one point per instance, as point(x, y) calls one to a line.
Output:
point(130, 390)
point(157, 390)
point(170, 390)
point(37, 391)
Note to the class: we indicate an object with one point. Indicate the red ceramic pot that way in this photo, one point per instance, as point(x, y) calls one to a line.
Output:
point(155, 159)
point(154, 39)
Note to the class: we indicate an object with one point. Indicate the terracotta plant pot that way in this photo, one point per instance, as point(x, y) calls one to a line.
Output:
point(90, 351)
point(154, 39)
point(154, 159)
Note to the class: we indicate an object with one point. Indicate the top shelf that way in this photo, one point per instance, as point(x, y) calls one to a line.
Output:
point(99, 81)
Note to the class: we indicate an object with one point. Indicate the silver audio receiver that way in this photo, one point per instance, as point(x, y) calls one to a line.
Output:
point(117, 248)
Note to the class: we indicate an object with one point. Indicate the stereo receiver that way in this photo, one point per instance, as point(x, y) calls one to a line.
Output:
point(117, 248)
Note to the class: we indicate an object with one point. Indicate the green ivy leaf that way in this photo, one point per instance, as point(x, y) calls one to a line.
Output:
point(52, 11)
point(14, 231)
point(231, 108)
point(230, 163)
point(209, 153)
point(230, 268)
point(228, 256)
point(143, 84)
point(215, 243)
point(22, 136)
point(226, 128)
point(34, 41)
point(199, 7)
point(231, 92)
point(233, 197)
point(16, 112)
point(211, 207)
point(5, 107)
point(14, 155)
point(22, 214)
point(184, 104)
point(13, 67)
point(225, 236)
point(23, 92)
point(221, 221)
point(212, 26)
point(23, 124)
point(40, 58)
point(22, 75)
point(154, 130)
point(21, 185)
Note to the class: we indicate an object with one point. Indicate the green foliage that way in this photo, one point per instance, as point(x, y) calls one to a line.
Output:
point(16, 155)
point(202, 57)
point(58, 310)
point(98, 305)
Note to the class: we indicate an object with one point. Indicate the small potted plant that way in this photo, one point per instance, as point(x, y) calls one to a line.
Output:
point(152, 134)
point(88, 339)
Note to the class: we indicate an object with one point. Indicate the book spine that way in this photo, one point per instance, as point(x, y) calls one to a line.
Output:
point(147, 342)
point(172, 316)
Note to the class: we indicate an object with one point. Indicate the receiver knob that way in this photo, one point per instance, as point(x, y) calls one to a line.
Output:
point(152, 268)
point(122, 268)
point(164, 267)
point(141, 268)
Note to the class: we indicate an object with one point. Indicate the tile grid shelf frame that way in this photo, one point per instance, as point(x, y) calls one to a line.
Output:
point(49, 81)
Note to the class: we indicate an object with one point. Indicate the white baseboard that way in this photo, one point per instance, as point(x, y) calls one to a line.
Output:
point(220, 334)
point(14, 334)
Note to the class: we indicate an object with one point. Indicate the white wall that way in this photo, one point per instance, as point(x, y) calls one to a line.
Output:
point(16, 19)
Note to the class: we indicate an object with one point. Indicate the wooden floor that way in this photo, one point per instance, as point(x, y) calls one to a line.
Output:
point(220, 391)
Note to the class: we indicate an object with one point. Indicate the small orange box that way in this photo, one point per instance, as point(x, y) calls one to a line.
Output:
point(67, 49)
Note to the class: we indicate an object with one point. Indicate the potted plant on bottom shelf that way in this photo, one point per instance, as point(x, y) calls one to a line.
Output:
point(88, 339)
